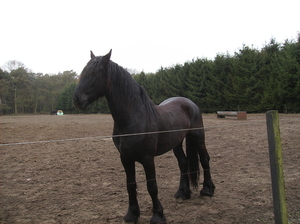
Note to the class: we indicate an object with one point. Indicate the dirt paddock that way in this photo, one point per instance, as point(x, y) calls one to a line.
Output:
point(83, 181)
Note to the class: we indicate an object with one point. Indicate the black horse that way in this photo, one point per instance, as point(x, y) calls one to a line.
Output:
point(133, 112)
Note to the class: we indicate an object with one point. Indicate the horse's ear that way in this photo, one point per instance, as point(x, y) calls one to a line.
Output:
point(106, 58)
point(92, 55)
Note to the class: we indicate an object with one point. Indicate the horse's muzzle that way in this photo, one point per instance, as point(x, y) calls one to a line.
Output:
point(79, 102)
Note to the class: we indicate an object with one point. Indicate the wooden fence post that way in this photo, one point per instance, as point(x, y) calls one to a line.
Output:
point(275, 152)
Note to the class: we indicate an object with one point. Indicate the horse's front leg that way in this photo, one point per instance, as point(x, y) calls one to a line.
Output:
point(158, 216)
point(133, 210)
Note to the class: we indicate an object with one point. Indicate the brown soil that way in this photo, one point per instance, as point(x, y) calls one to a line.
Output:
point(83, 181)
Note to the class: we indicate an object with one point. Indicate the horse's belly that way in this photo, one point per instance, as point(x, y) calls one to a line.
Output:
point(169, 141)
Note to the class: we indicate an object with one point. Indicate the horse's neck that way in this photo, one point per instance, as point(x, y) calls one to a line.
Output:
point(125, 100)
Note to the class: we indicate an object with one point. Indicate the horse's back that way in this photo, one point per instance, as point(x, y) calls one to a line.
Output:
point(181, 106)
point(176, 100)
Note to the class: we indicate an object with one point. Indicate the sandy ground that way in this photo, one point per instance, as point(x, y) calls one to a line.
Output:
point(83, 181)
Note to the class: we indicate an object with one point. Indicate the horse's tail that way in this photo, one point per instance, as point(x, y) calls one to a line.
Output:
point(192, 144)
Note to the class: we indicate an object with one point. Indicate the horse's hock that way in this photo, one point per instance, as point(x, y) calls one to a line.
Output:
point(241, 115)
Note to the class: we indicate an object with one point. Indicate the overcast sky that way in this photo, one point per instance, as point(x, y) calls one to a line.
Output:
point(57, 35)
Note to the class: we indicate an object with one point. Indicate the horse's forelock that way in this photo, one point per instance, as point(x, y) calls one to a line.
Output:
point(93, 65)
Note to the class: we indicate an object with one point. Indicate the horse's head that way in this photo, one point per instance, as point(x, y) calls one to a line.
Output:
point(92, 81)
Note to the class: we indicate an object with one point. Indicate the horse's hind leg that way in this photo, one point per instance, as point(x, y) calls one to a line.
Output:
point(208, 185)
point(184, 191)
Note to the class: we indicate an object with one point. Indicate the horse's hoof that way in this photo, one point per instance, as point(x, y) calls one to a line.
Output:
point(183, 194)
point(131, 218)
point(128, 222)
point(208, 190)
point(158, 219)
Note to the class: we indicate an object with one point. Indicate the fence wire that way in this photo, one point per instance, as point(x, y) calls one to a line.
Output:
point(128, 135)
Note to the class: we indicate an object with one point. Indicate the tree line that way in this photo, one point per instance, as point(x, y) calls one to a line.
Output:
point(252, 80)
point(22, 91)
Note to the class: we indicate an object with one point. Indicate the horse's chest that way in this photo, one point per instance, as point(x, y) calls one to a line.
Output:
point(131, 145)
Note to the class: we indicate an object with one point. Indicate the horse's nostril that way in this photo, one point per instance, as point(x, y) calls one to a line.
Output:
point(75, 99)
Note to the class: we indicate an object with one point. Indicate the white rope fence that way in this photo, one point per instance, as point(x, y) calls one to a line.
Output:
point(128, 135)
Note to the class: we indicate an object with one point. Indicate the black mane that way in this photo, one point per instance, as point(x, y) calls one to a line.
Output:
point(126, 89)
